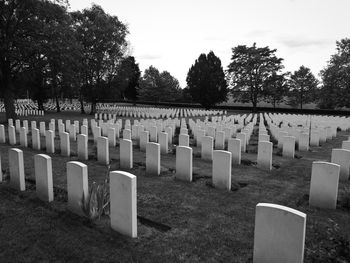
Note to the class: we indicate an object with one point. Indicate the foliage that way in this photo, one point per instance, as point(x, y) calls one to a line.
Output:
point(158, 86)
point(102, 38)
point(276, 87)
point(334, 247)
point(303, 87)
point(250, 70)
point(206, 81)
point(335, 92)
point(97, 203)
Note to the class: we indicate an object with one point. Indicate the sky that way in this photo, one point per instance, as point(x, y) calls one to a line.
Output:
point(171, 34)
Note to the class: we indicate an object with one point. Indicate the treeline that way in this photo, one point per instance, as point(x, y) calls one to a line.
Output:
point(48, 52)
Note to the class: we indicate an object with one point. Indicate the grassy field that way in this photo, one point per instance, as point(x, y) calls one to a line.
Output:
point(178, 221)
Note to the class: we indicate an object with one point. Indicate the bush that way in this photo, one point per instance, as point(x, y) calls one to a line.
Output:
point(97, 202)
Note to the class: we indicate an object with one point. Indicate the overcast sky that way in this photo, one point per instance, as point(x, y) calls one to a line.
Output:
point(170, 35)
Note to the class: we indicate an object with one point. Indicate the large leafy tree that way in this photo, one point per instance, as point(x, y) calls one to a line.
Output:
point(335, 91)
point(250, 70)
point(158, 86)
point(23, 30)
point(303, 86)
point(126, 82)
point(276, 88)
point(206, 81)
point(103, 42)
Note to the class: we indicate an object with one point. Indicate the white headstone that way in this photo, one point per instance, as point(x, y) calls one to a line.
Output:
point(127, 134)
point(346, 145)
point(184, 163)
point(279, 234)
point(163, 141)
point(123, 203)
point(43, 177)
point(234, 147)
point(303, 142)
point(12, 135)
point(220, 140)
point(65, 144)
point(17, 177)
point(102, 150)
point(242, 138)
point(126, 156)
point(144, 139)
point(2, 134)
point(324, 185)
point(50, 143)
point(77, 186)
point(207, 148)
point(36, 143)
point(82, 147)
point(265, 149)
point(23, 137)
point(152, 158)
point(222, 169)
point(111, 137)
point(288, 146)
point(342, 157)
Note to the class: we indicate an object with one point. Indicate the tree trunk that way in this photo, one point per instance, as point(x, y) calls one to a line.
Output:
point(6, 84)
point(301, 101)
point(57, 99)
point(40, 104)
point(93, 107)
point(82, 110)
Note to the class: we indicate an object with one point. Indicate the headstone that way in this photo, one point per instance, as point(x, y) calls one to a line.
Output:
point(96, 133)
point(50, 143)
point(184, 163)
point(207, 148)
point(42, 128)
point(1, 174)
point(84, 130)
point(18, 125)
point(43, 177)
point(123, 203)
point(184, 140)
point(23, 137)
point(152, 158)
point(111, 137)
point(127, 134)
point(2, 134)
point(342, 157)
point(77, 186)
point(126, 156)
point(222, 169)
point(72, 132)
point(82, 147)
point(17, 177)
point(102, 150)
point(324, 185)
point(200, 135)
point(279, 234)
point(242, 138)
point(281, 135)
point(144, 139)
point(169, 131)
point(12, 135)
point(346, 145)
point(234, 147)
point(265, 149)
point(153, 134)
point(220, 140)
point(36, 143)
point(288, 146)
point(65, 144)
point(303, 142)
point(264, 137)
point(163, 141)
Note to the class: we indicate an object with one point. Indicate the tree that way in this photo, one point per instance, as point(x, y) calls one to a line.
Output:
point(126, 82)
point(335, 91)
point(303, 87)
point(23, 27)
point(102, 38)
point(250, 70)
point(206, 81)
point(158, 86)
point(276, 88)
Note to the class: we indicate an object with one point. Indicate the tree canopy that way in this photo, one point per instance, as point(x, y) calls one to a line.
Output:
point(206, 81)
point(250, 71)
point(335, 92)
point(303, 86)
point(158, 86)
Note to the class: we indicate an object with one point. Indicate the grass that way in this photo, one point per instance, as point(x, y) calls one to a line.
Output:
point(177, 221)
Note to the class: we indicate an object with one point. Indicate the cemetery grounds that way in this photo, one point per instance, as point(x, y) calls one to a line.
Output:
point(177, 221)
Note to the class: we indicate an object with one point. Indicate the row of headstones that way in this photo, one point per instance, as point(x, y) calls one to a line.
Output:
point(279, 234)
point(151, 112)
point(122, 188)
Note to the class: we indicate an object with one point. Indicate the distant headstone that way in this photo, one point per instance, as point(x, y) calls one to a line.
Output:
point(184, 163)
